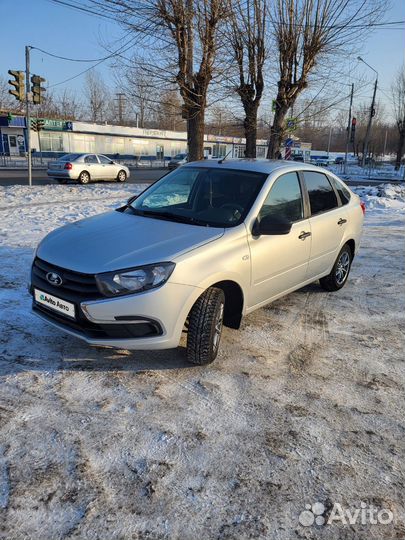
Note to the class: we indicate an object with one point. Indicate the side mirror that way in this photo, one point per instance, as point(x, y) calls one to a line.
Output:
point(271, 225)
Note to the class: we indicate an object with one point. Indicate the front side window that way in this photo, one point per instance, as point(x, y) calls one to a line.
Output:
point(322, 196)
point(284, 200)
point(216, 197)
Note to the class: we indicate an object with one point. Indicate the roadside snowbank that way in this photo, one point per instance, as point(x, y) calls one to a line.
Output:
point(381, 197)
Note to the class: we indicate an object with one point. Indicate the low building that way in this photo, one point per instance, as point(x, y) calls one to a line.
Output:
point(60, 137)
point(12, 135)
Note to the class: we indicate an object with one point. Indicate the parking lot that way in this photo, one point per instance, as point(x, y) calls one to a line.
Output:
point(303, 405)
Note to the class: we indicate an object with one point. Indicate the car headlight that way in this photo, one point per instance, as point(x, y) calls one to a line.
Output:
point(134, 280)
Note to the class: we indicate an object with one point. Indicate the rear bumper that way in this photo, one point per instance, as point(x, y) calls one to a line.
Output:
point(61, 173)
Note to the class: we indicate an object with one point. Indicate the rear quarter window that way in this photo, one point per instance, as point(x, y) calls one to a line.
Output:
point(344, 193)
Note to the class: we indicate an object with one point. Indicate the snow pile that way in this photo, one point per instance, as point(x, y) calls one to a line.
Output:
point(28, 214)
point(383, 196)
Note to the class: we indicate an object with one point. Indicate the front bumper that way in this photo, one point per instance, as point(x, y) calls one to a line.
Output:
point(150, 320)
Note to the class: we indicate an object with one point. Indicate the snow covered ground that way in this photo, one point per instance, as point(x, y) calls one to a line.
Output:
point(304, 404)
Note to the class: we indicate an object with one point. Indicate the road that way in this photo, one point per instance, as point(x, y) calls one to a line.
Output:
point(11, 177)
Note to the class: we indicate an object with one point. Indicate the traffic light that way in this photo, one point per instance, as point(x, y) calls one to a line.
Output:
point(353, 129)
point(37, 124)
point(18, 83)
point(37, 89)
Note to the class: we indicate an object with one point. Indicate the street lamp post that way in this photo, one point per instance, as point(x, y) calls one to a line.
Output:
point(372, 112)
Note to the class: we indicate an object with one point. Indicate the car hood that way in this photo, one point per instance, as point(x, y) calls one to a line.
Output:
point(117, 240)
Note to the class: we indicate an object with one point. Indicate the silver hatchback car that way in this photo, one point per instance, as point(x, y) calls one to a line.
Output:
point(206, 244)
point(86, 167)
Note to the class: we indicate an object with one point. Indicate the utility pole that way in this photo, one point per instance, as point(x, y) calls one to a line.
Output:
point(329, 140)
point(370, 119)
point(372, 113)
point(120, 99)
point(27, 106)
point(348, 128)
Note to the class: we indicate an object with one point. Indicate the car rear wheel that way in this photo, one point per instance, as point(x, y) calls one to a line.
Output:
point(205, 327)
point(84, 177)
point(122, 176)
point(340, 271)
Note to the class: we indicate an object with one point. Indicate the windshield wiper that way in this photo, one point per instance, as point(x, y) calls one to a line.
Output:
point(169, 216)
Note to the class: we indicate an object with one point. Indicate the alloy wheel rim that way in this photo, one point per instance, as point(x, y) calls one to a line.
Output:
point(342, 268)
point(218, 327)
point(121, 176)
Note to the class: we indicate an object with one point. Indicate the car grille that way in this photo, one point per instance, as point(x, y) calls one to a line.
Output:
point(81, 286)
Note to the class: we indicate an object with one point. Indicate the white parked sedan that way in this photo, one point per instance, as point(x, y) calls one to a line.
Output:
point(86, 167)
point(206, 244)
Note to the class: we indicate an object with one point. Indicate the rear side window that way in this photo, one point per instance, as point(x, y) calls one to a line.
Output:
point(344, 193)
point(284, 200)
point(322, 196)
point(91, 159)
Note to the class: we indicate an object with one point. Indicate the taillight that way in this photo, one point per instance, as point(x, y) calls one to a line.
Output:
point(68, 166)
point(363, 207)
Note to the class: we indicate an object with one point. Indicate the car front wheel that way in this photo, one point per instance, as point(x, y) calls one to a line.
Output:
point(122, 176)
point(340, 271)
point(205, 327)
point(84, 177)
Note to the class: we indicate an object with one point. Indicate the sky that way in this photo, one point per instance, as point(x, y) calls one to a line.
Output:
point(67, 32)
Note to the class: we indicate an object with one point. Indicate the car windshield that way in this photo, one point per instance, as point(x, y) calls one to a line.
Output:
point(69, 157)
point(213, 197)
point(179, 156)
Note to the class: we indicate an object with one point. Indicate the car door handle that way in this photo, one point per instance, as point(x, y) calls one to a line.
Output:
point(304, 235)
point(341, 221)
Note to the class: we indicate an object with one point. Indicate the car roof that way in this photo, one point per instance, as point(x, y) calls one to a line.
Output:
point(266, 166)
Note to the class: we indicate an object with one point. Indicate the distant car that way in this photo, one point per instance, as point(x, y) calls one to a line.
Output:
point(298, 157)
point(86, 167)
point(339, 160)
point(320, 161)
point(179, 159)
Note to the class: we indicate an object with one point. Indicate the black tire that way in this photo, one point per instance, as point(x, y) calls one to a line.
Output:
point(205, 327)
point(121, 176)
point(84, 177)
point(61, 180)
point(340, 271)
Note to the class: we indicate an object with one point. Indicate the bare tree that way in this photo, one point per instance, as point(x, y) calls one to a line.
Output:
point(398, 100)
point(69, 107)
point(139, 87)
point(188, 30)
point(248, 29)
point(97, 97)
point(307, 31)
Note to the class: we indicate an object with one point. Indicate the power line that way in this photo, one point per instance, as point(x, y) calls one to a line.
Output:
point(81, 8)
point(71, 59)
point(121, 49)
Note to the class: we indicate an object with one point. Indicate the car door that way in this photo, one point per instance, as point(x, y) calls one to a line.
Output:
point(109, 170)
point(279, 262)
point(93, 166)
point(328, 221)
